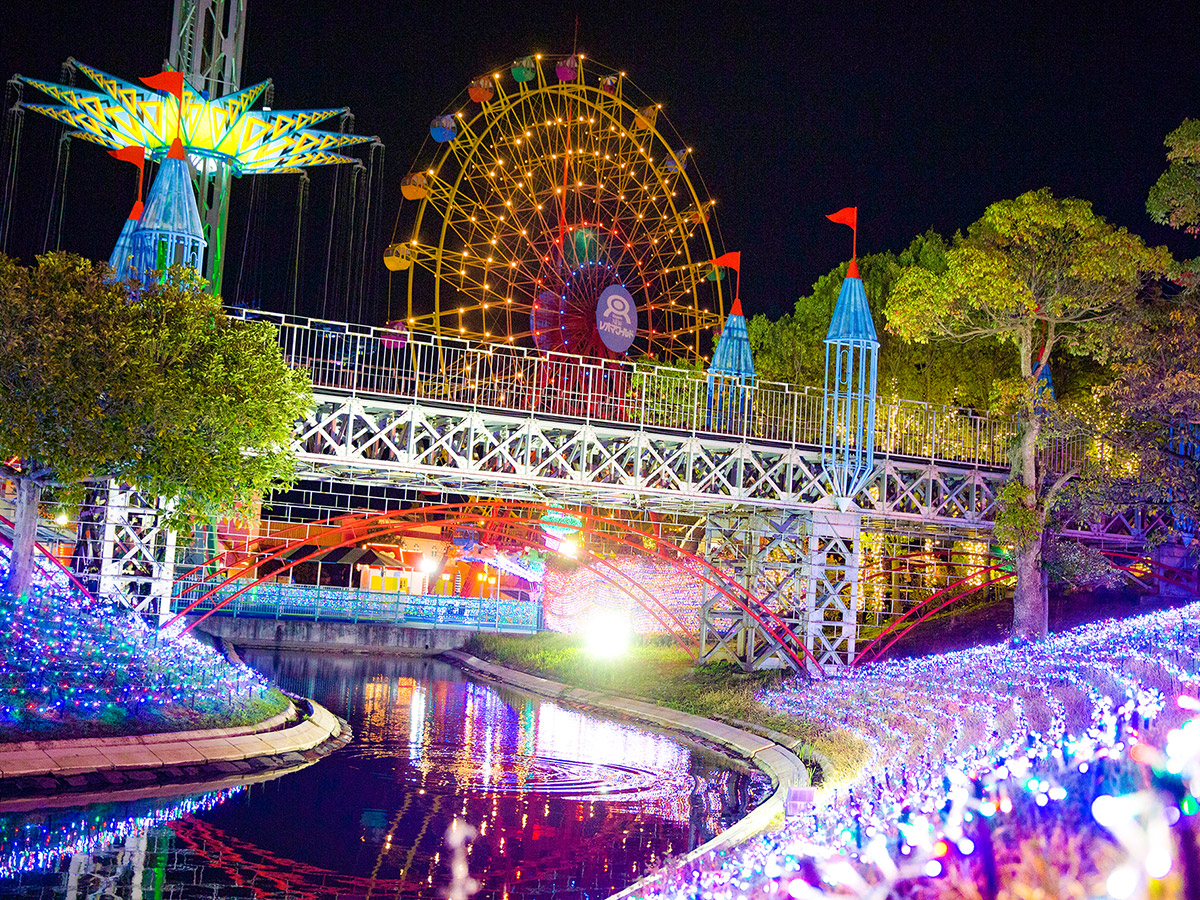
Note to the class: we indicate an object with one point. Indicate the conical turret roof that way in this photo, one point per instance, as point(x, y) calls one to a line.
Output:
point(171, 206)
point(852, 314)
point(732, 356)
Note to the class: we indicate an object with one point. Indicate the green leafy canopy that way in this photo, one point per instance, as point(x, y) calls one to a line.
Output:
point(157, 388)
point(1175, 198)
point(1036, 272)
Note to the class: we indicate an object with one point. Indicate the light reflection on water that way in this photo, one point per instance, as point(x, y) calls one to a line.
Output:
point(565, 802)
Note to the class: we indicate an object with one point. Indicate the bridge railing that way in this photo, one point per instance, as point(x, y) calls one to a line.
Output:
point(275, 600)
point(383, 362)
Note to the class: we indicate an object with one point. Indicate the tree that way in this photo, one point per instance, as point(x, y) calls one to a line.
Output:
point(1040, 274)
point(1154, 403)
point(153, 386)
point(1175, 198)
point(791, 349)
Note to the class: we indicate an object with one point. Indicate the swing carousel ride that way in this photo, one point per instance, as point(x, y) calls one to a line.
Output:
point(554, 208)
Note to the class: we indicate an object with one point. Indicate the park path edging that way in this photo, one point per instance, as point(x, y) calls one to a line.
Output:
point(133, 740)
point(783, 766)
point(66, 765)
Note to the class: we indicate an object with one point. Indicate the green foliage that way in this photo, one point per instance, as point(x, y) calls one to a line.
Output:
point(1017, 521)
point(792, 350)
point(158, 389)
point(1079, 565)
point(69, 382)
point(1035, 272)
point(1175, 198)
point(1041, 275)
point(220, 402)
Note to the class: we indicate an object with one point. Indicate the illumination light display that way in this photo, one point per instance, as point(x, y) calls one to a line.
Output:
point(67, 660)
point(538, 194)
point(1087, 731)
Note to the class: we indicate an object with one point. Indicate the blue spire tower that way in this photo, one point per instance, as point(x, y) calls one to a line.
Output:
point(731, 375)
point(851, 364)
point(169, 231)
point(834, 595)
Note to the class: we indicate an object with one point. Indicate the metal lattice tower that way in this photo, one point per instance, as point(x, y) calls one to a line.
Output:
point(206, 46)
point(764, 551)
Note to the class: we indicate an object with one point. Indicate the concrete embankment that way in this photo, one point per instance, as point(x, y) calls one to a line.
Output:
point(779, 762)
point(292, 739)
point(335, 637)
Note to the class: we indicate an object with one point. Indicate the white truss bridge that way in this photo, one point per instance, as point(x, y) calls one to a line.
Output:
point(493, 420)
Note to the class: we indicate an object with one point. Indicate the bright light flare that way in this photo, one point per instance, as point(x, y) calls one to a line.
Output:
point(609, 633)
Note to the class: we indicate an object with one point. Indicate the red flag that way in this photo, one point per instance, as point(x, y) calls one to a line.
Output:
point(848, 216)
point(171, 82)
point(733, 260)
point(135, 155)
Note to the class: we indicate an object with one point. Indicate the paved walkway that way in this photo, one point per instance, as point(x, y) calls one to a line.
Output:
point(776, 759)
point(87, 764)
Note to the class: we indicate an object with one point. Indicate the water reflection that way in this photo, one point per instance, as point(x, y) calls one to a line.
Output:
point(565, 802)
point(38, 840)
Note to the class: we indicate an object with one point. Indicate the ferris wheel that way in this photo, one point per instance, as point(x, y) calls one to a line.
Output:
point(557, 209)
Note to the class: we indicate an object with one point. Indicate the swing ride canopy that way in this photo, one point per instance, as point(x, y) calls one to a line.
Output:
point(222, 131)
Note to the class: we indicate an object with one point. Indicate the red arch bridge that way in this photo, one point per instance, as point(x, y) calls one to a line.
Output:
point(785, 573)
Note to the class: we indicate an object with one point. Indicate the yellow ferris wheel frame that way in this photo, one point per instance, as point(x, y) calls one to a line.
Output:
point(489, 186)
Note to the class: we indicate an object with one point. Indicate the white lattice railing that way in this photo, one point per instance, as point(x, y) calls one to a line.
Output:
point(380, 362)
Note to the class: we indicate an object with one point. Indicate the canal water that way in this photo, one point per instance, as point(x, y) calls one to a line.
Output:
point(566, 803)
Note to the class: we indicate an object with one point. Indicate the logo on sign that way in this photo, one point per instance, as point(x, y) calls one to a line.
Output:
point(616, 318)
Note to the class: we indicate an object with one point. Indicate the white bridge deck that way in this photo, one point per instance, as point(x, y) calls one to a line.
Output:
point(504, 421)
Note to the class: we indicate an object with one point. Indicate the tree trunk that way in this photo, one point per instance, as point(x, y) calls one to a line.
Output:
point(20, 569)
point(1031, 612)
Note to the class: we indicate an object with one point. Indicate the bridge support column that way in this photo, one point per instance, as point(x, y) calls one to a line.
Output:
point(124, 551)
point(764, 552)
point(833, 592)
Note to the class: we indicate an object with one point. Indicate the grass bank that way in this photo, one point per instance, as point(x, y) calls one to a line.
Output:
point(662, 673)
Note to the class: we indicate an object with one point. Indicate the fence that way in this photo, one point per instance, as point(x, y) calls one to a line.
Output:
point(272, 600)
point(383, 362)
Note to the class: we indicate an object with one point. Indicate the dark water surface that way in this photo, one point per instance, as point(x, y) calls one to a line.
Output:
point(567, 804)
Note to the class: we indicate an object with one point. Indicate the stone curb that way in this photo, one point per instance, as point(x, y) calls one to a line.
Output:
point(86, 765)
point(775, 758)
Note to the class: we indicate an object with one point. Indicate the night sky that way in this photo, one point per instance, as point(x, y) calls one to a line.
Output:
point(794, 110)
